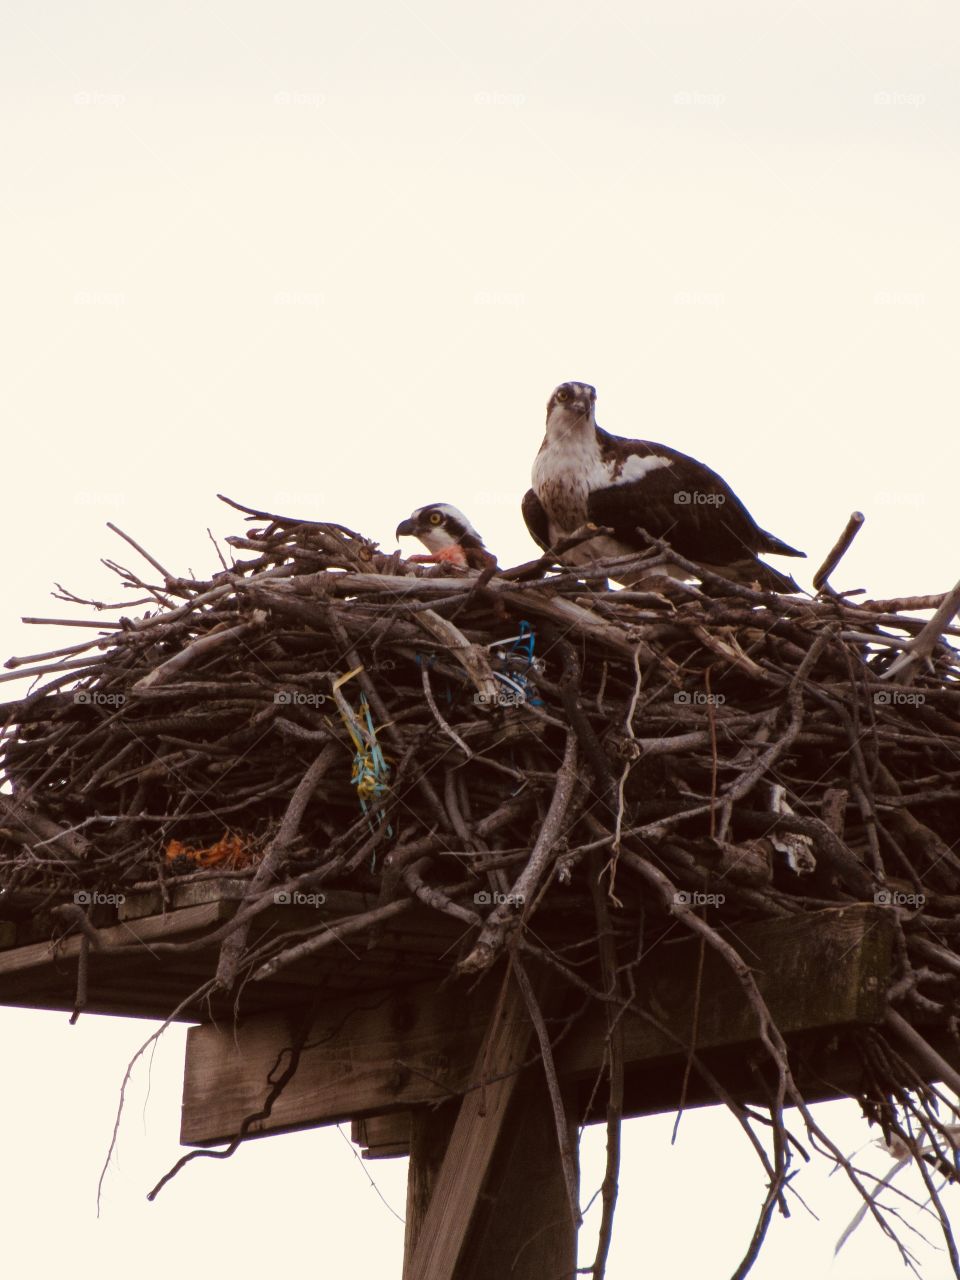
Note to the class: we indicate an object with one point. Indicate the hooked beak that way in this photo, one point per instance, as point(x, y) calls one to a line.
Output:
point(405, 529)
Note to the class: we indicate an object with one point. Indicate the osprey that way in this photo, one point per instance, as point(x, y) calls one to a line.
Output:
point(448, 535)
point(583, 474)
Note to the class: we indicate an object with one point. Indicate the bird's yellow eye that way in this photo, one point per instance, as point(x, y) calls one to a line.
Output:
point(435, 517)
point(563, 395)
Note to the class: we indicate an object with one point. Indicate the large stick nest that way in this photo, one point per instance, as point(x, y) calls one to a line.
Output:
point(320, 715)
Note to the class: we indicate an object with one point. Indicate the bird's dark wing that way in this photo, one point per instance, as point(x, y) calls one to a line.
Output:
point(752, 572)
point(536, 520)
point(477, 555)
point(776, 546)
point(685, 503)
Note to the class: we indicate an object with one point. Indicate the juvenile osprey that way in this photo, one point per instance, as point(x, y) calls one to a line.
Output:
point(449, 537)
point(583, 473)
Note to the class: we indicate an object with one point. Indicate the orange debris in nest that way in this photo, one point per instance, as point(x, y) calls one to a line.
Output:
point(229, 850)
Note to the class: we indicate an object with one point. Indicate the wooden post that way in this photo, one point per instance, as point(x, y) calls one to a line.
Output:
point(430, 1130)
point(495, 1201)
point(522, 1227)
point(475, 1134)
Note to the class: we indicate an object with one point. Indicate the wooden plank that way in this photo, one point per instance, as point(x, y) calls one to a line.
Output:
point(149, 902)
point(521, 1225)
point(21, 961)
point(43, 975)
point(825, 969)
point(364, 1055)
point(430, 1130)
point(522, 1228)
point(40, 973)
point(383, 1137)
point(475, 1136)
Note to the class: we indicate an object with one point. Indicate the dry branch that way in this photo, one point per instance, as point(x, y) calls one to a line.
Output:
point(319, 716)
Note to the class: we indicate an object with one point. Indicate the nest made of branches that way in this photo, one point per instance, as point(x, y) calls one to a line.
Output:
point(318, 714)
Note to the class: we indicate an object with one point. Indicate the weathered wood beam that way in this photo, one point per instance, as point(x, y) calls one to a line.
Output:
point(385, 1136)
point(823, 970)
point(143, 982)
point(827, 968)
point(477, 1132)
point(364, 1055)
point(429, 1130)
point(521, 1225)
point(24, 970)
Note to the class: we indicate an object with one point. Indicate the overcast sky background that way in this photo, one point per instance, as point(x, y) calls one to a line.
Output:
point(331, 261)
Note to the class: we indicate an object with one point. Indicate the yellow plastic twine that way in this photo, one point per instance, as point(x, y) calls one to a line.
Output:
point(371, 772)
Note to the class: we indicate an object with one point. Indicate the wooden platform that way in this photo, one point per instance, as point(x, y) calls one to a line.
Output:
point(396, 1031)
point(149, 984)
point(821, 974)
point(426, 1064)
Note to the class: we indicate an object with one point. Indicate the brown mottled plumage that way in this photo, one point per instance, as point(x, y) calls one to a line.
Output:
point(584, 474)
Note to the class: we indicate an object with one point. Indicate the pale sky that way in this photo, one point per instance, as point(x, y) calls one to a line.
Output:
point(332, 261)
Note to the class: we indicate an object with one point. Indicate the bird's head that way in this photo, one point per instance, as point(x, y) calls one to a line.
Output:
point(571, 408)
point(443, 530)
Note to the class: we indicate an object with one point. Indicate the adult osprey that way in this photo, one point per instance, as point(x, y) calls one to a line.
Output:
point(583, 474)
point(448, 535)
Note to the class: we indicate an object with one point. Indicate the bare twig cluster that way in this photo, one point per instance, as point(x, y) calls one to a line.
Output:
point(520, 744)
